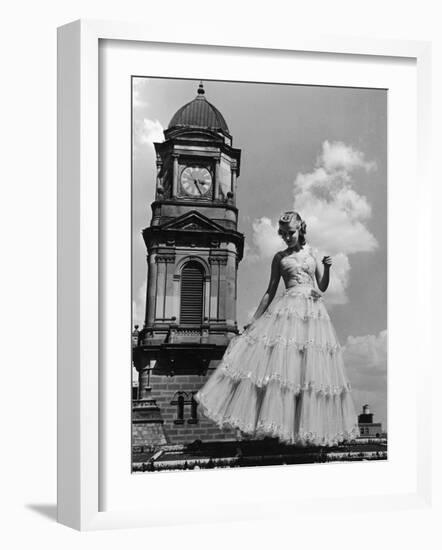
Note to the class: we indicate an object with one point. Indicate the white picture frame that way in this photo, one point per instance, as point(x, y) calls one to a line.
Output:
point(80, 206)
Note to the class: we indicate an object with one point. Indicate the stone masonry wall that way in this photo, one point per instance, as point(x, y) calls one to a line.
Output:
point(164, 391)
point(148, 434)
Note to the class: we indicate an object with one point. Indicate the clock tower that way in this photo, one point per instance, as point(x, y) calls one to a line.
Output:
point(193, 251)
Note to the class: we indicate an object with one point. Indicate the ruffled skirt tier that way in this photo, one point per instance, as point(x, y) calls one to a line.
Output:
point(284, 377)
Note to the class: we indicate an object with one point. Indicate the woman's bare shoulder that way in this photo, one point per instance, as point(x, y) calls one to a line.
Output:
point(278, 256)
point(276, 261)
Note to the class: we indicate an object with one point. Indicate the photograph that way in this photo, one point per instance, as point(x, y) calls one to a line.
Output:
point(234, 283)
point(259, 274)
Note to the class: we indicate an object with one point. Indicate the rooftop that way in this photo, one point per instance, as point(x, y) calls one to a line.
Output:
point(199, 113)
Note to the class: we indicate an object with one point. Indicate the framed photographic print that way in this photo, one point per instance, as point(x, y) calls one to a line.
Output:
point(278, 390)
point(231, 234)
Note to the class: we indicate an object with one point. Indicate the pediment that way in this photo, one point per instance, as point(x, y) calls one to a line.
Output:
point(192, 221)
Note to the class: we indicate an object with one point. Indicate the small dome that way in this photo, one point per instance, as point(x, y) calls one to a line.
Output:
point(199, 113)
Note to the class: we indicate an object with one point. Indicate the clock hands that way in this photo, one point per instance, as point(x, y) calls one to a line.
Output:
point(196, 182)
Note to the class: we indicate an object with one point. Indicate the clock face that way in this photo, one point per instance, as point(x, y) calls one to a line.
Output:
point(196, 181)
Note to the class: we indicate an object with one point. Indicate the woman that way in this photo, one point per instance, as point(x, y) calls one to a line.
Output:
point(284, 375)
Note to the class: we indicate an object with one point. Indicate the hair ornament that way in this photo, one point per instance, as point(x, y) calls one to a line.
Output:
point(290, 221)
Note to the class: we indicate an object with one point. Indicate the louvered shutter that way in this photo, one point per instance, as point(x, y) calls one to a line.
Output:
point(191, 310)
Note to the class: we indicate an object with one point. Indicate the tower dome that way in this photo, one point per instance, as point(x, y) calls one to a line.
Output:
point(199, 113)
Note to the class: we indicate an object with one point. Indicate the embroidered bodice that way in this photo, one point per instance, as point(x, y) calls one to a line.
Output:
point(298, 268)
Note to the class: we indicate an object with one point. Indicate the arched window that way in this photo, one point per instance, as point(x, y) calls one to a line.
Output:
point(193, 410)
point(191, 303)
point(180, 407)
point(179, 399)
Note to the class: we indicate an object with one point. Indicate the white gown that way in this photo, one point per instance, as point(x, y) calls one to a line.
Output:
point(284, 376)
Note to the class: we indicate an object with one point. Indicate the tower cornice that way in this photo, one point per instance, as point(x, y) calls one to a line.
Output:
point(195, 203)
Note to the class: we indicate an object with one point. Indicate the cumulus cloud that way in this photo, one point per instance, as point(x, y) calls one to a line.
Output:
point(146, 130)
point(339, 156)
point(149, 131)
point(366, 363)
point(265, 239)
point(336, 214)
point(339, 277)
point(146, 133)
point(368, 352)
point(335, 211)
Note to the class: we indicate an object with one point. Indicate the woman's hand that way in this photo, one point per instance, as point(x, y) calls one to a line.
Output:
point(323, 279)
point(315, 294)
point(327, 261)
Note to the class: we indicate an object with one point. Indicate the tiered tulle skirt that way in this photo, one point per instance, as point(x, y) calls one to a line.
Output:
point(284, 377)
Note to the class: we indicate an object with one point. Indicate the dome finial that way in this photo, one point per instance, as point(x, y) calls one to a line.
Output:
point(199, 113)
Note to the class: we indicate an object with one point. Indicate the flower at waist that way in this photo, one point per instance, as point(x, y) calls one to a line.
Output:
point(315, 294)
point(306, 290)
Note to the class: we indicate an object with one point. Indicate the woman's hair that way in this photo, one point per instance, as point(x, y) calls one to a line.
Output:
point(292, 221)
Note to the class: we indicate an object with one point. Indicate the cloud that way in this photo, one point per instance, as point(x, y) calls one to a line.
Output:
point(265, 239)
point(336, 214)
point(149, 131)
point(367, 352)
point(139, 304)
point(339, 276)
point(339, 156)
point(146, 133)
point(139, 93)
point(134, 376)
point(146, 130)
point(365, 358)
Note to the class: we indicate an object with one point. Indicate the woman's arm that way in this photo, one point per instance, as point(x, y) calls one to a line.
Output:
point(266, 300)
point(325, 279)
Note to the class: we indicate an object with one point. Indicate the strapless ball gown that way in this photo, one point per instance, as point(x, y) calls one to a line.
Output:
point(284, 376)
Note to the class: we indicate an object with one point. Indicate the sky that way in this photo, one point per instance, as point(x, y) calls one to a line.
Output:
point(321, 151)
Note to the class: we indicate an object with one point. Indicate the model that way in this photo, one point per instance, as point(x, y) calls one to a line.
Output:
point(284, 376)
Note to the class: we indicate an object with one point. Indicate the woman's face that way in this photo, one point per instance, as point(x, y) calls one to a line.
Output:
point(290, 236)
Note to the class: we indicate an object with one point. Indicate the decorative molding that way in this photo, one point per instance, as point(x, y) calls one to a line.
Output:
point(221, 260)
point(196, 203)
point(191, 226)
point(162, 258)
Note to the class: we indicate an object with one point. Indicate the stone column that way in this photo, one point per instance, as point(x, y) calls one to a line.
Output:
point(159, 179)
point(231, 285)
point(170, 306)
point(175, 175)
point(216, 191)
point(143, 382)
point(234, 182)
point(222, 290)
point(207, 279)
point(214, 282)
point(151, 289)
point(161, 287)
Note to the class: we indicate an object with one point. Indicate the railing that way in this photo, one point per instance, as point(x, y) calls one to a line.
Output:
point(191, 333)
